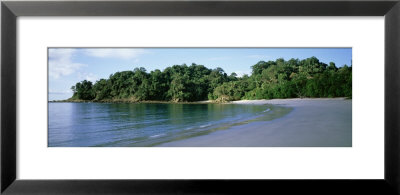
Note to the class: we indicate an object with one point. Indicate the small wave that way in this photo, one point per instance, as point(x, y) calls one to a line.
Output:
point(158, 135)
point(267, 110)
point(202, 126)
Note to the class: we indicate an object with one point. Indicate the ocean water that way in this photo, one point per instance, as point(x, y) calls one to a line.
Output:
point(144, 124)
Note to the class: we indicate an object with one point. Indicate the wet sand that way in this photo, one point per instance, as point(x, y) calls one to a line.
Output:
point(322, 122)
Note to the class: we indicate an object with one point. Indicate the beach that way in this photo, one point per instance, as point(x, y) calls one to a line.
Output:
point(319, 122)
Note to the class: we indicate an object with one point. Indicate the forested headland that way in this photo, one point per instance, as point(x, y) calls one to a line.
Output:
point(189, 83)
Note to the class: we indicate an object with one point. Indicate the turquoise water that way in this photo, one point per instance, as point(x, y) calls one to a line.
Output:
point(145, 124)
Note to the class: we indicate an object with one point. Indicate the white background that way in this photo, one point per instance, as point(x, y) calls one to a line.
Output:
point(362, 161)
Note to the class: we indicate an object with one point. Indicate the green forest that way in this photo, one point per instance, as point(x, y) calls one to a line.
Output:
point(188, 83)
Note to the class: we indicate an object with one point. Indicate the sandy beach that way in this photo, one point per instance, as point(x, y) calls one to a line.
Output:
point(322, 122)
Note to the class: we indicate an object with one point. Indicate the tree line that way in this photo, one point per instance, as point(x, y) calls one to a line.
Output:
point(182, 83)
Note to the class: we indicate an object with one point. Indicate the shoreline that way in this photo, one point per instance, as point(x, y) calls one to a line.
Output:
point(263, 101)
point(313, 122)
point(131, 101)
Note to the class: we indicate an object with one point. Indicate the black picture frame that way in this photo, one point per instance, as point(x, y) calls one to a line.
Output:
point(10, 10)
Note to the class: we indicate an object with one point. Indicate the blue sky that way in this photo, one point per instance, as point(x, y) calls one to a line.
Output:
point(67, 66)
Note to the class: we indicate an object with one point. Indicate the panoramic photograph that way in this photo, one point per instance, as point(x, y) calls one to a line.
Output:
point(199, 97)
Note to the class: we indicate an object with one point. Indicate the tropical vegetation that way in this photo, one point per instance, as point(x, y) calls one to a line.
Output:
point(187, 83)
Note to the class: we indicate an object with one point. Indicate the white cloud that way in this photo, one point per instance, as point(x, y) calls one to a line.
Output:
point(60, 62)
point(87, 76)
point(61, 59)
point(56, 92)
point(123, 53)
